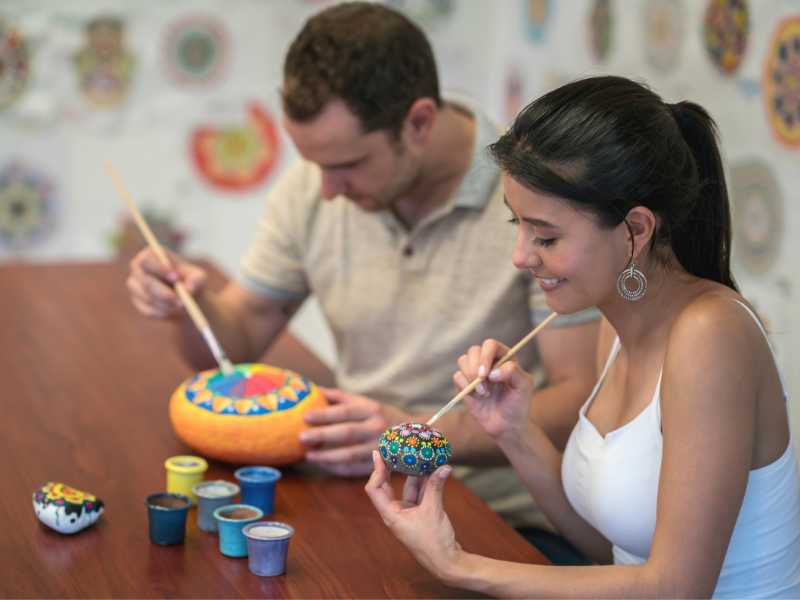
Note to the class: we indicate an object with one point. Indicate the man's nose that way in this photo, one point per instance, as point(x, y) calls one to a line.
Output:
point(332, 185)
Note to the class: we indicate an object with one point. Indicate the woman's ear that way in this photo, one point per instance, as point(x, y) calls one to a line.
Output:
point(642, 224)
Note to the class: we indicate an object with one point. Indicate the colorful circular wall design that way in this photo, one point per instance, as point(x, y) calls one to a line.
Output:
point(726, 28)
point(758, 216)
point(104, 65)
point(537, 15)
point(14, 64)
point(781, 82)
point(664, 33)
point(428, 14)
point(27, 206)
point(237, 157)
point(196, 50)
point(600, 29)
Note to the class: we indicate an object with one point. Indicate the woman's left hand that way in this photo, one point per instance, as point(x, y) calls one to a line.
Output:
point(417, 519)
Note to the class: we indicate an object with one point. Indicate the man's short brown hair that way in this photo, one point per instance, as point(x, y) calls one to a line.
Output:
point(371, 57)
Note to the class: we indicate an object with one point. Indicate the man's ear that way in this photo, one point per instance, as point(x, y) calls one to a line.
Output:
point(419, 121)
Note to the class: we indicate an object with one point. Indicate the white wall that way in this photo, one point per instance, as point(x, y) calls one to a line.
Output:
point(52, 127)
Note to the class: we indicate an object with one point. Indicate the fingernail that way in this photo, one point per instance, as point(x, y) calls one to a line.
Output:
point(482, 371)
point(495, 374)
point(445, 471)
point(481, 389)
point(304, 436)
point(374, 457)
point(173, 277)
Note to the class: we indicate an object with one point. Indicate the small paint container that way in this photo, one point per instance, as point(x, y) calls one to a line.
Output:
point(210, 496)
point(258, 486)
point(267, 547)
point(166, 515)
point(231, 519)
point(183, 472)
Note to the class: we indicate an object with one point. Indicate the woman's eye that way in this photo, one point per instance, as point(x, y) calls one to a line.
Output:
point(545, 242)
point(514, 221)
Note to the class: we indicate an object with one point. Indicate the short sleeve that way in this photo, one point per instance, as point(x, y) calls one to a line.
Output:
point(273, 264)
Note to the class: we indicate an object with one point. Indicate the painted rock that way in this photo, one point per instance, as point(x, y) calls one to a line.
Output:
point(66, 509)
point(252, 416)
point(414, 448)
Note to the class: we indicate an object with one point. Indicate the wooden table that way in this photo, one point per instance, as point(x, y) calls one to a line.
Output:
point(85, 383)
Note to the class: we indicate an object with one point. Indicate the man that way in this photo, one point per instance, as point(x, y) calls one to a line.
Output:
point(395, 220)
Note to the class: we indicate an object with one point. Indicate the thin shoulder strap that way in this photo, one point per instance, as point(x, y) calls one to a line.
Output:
point(766, 337)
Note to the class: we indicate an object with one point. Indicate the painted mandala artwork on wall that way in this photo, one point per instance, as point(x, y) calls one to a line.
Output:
point(27, 206)
point(513, 95)
point(196, 50)
point(237, 157)
point(758, 216)
point(428, 14)
point(726, 28)
point(104, 65)
point(601, 25)
point(537, 16)
point(664, 33)
point(126, 241)
point(781, 82)
point(14, 64)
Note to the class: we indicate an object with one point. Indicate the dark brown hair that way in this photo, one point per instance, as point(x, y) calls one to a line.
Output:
point(608, 144)
point(369, 56)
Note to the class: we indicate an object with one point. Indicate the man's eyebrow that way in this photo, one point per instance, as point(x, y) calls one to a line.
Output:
point(534, 222)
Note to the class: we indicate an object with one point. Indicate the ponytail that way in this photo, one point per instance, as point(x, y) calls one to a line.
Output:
point(702, 243)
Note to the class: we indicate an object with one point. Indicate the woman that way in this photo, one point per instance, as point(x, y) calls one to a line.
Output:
point(680, 474)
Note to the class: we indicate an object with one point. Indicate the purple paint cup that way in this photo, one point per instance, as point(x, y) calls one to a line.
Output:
point(267, 547)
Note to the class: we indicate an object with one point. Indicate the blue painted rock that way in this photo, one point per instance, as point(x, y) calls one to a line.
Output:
point(414, 449)
point(66, 509)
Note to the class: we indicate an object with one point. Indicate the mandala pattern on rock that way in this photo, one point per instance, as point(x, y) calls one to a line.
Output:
point(414, 448)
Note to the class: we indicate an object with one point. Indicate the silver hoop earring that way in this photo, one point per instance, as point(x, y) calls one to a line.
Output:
point(632, 283)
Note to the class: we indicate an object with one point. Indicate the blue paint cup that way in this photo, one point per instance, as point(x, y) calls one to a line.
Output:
point(231, 519)
point(258, 486)
point(210, 496)
point(267, 547)
point(167, 517)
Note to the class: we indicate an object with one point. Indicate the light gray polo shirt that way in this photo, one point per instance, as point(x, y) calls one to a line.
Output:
point(404, 305)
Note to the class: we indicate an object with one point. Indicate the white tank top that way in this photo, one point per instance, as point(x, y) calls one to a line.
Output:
point(612, 482)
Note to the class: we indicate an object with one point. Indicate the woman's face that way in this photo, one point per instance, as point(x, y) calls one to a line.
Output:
point(574, 260)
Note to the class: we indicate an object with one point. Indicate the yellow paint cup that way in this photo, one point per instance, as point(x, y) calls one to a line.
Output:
point(183, 472)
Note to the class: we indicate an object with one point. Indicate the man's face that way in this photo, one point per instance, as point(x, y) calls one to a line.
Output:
point(373, 170)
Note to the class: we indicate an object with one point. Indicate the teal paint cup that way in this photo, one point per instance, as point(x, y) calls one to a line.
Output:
point(231, 519)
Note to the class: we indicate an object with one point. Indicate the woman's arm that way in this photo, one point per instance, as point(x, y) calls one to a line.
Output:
point(708, 399)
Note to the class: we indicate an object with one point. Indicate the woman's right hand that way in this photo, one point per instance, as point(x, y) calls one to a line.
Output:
point(501, 404)
point(150, 283)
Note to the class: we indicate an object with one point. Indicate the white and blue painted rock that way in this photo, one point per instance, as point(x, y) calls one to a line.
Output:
point(66, 509)
point(414, 449)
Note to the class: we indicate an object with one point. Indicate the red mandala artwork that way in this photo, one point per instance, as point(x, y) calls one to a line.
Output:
point(782, 82)
point(237, 157)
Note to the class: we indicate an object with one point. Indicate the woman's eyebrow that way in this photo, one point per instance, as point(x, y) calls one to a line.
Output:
point(535, 222)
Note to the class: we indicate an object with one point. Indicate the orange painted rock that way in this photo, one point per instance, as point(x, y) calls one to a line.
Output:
point(251, 416)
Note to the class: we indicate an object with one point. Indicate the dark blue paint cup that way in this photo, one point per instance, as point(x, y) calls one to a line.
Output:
point(257, 485)
point(267, 547)
point(167, 517)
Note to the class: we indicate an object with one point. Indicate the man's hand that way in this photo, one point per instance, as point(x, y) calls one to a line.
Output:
point(344, 434)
